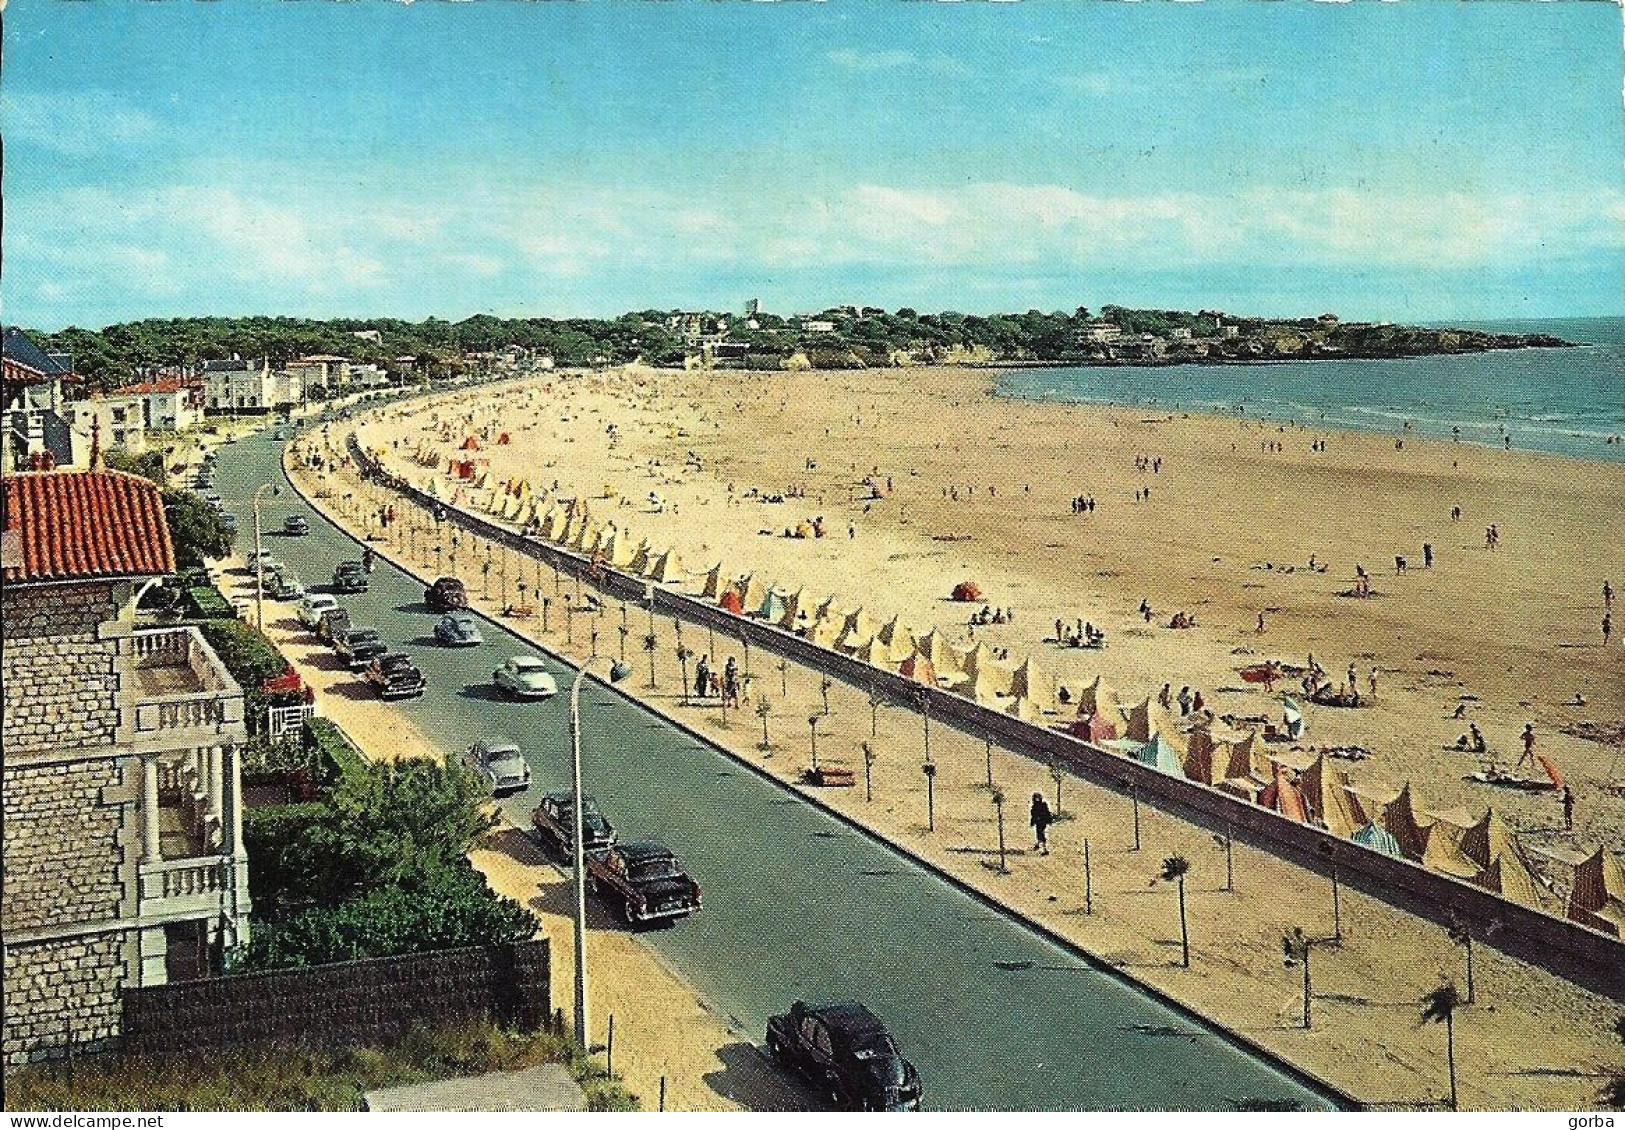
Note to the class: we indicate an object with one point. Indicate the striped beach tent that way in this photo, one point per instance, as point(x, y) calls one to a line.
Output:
point(715, 582)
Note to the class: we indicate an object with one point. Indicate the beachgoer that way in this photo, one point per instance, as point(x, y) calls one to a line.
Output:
point(1607, 628)
point(1041, 818)
point(702, 677)
point(1528, 745)
point(1197, 702)
point(1427, 555)
point(1371, 681)
point(1607, 595)
point(1568, 808)
point(1353, 677)
point(1478, 744)
point(1260, 623)
point(1165, 696)
point(1184, 700)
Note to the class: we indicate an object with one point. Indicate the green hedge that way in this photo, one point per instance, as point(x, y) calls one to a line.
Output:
point(205, 603)
point(251, 658)
point(338, 753)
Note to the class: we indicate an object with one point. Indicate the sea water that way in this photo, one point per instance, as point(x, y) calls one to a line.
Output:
point(1562, 401)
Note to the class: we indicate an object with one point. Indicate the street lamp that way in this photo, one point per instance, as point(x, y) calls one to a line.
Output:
point(617, 672)
point(259, 558)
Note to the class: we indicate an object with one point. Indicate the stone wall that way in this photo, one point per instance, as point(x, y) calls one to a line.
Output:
point(64, 845)
point(62, 993)
point(350, 1003)
point(61, 679)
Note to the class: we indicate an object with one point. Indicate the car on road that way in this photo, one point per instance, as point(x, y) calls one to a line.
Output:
point(524, 676)
point(311, 608)
point(458, 629)
point(553, 824)
point(285, 585)
point(643, 881)
point(229, 521)
point(333, 623)
point(395, 676)
point(358, 647)
point(499, 761)
point(296, 525)
point(445, 595)
point(350, 577)
point(845, 1051)
point(267, 567)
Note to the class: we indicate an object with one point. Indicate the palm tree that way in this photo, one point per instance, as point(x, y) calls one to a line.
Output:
point(1174, 869)
point(649, 644)
point(823, 689)
point(1295, 946)
point(763, 709)
point(682, 659)
point(1462, 935)
point(1439, 1007)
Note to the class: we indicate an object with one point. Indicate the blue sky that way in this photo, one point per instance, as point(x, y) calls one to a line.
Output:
point(1419, 160)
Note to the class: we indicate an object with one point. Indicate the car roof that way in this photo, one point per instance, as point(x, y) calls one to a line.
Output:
point(526, 661)
point(322, 598)
point(566, 797)
point(850, 1018)
point(644, 850)
point(364, 633)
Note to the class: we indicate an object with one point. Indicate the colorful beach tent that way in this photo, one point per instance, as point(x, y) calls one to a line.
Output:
point(1281, 796)
point(796, 613)
point(1147, 718)
point(730, 602)
point(773, 606)
point(1324, 788)
point(1161, 756)
point(918, 667)
point(752, 591)
point(1096, 729)
point(967, 592)
point(716, 582)
point(1377, 839)
point(1291, 717)
point(1597, 896)
point(1097, 697)
point(1503, 866)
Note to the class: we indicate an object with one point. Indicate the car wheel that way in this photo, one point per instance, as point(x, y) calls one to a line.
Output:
point(627, 914)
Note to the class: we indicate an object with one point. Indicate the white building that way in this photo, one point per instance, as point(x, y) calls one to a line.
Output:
point(121, 421)
point(168, 404)
point(1102, 332)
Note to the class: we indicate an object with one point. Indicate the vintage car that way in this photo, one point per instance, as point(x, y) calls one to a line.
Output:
point(845, 1052)
point(553, 824)
point(358, 647)
point(284, 584)
point(644, 881)
point(395, 676)
point(332, 624)
point(458, 629)
point(445, 595)
point(296, 525)
point(524, 676)
point(350, 576)
point(311, 608)
point(499, 761)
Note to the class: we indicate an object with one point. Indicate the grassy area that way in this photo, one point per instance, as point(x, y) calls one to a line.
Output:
point(287, 1079)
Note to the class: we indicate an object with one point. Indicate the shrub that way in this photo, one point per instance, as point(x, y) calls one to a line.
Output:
point(337, 754)
point(206, 603)
point(250, 657)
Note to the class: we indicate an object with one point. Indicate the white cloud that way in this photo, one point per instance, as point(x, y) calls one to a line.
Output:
point(78, 124)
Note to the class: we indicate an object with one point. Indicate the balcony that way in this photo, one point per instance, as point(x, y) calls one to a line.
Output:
point(175, 889)
point(184, 696)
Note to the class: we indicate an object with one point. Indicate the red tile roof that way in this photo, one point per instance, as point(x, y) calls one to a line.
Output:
point(67, 525)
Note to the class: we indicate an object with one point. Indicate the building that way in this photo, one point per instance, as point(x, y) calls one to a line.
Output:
point(1100, 333)
point(123, 847)
point(249, 386)
point(120, 420)
point(814, 325)
point(38, 432)
point(169, 404)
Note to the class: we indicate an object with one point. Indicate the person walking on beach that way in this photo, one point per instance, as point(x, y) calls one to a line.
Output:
point(1607, 628)
point(1041, 818)
point(1260, 623)
point(1184, 700)
point(1528, 746)
point(1165, 696)
point(1607, 596)
point(1372, 682)
point(1427, 555)
point(1568, 809)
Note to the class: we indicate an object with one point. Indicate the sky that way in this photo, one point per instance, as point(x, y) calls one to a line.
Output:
point(1413, 161)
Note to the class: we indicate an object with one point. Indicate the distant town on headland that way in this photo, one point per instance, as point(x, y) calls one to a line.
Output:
point(841, 337)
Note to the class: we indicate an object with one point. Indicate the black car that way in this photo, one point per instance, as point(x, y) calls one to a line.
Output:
point(553, 824)
point(846, 1053)
point(359, 646)
point(349, 577)
point(332, 625)
point(446, 595)
point(644, 881)
point(396, 676)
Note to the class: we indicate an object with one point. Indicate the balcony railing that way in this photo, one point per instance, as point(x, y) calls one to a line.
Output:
point(181, 888)
point(184, 695)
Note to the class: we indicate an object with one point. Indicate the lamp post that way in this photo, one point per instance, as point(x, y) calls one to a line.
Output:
point(259, 558)
point(617, 672)
point(930, 771)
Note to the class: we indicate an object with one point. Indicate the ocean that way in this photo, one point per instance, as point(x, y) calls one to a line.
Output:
point(1562, 401)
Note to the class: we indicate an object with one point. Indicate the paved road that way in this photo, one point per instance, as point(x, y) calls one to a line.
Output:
point(797, 904)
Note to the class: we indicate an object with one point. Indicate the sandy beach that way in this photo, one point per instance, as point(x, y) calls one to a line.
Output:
point(1480, 623)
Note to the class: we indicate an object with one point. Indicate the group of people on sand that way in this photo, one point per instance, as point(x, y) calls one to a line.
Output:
point(1083, 504)
point(1190, 701)
point(1182, 620)
point(1086, 635)
point(987, 615)
point(1152, 463)
point(1319, 689)
point(728, 686)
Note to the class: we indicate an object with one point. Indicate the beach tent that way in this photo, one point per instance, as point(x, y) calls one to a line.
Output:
point(650, 567)
point(552, 523)
point(639, 562)
point(585, 537)
point(612, 546)
point(966, 592)
point(873, 652)
point(796, 613)
point(981, 664)
point(918, 668)
point(773, 605)
point(1377, 839)
point(470, 444)
point(943, 656)
point(859, 624)
point(1399, 816)
point(984, 685)
point(1324, 788)
point(1597, 895)
point(752, 591)
point(1281, 796)
point(730, 602)
point(1505, 870)
point(1443, 853)
point(1148, 718)
point(1026, 710)
point(1031, 683)
point(1367, 803)
point(1099, 698)
point(826, 631)
point(668, 570)
point(1096, 729)
point(1160, 755)
point(896, 636)
point(715, 583)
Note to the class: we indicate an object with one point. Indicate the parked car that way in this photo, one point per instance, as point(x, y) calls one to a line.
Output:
point(296, 525)
point(349, 577)
point(846, 1053)
point(358, 647)
point(286, 585)
point(524, 676)
point(644, 881)
point(395, 676)
point(553, 824)
point(499, 761)
point(445, 595)
point(213, 500)
point(311, 608)
point(333, 623)
point(229, 521)
point(458, 629)
point(267, 566)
